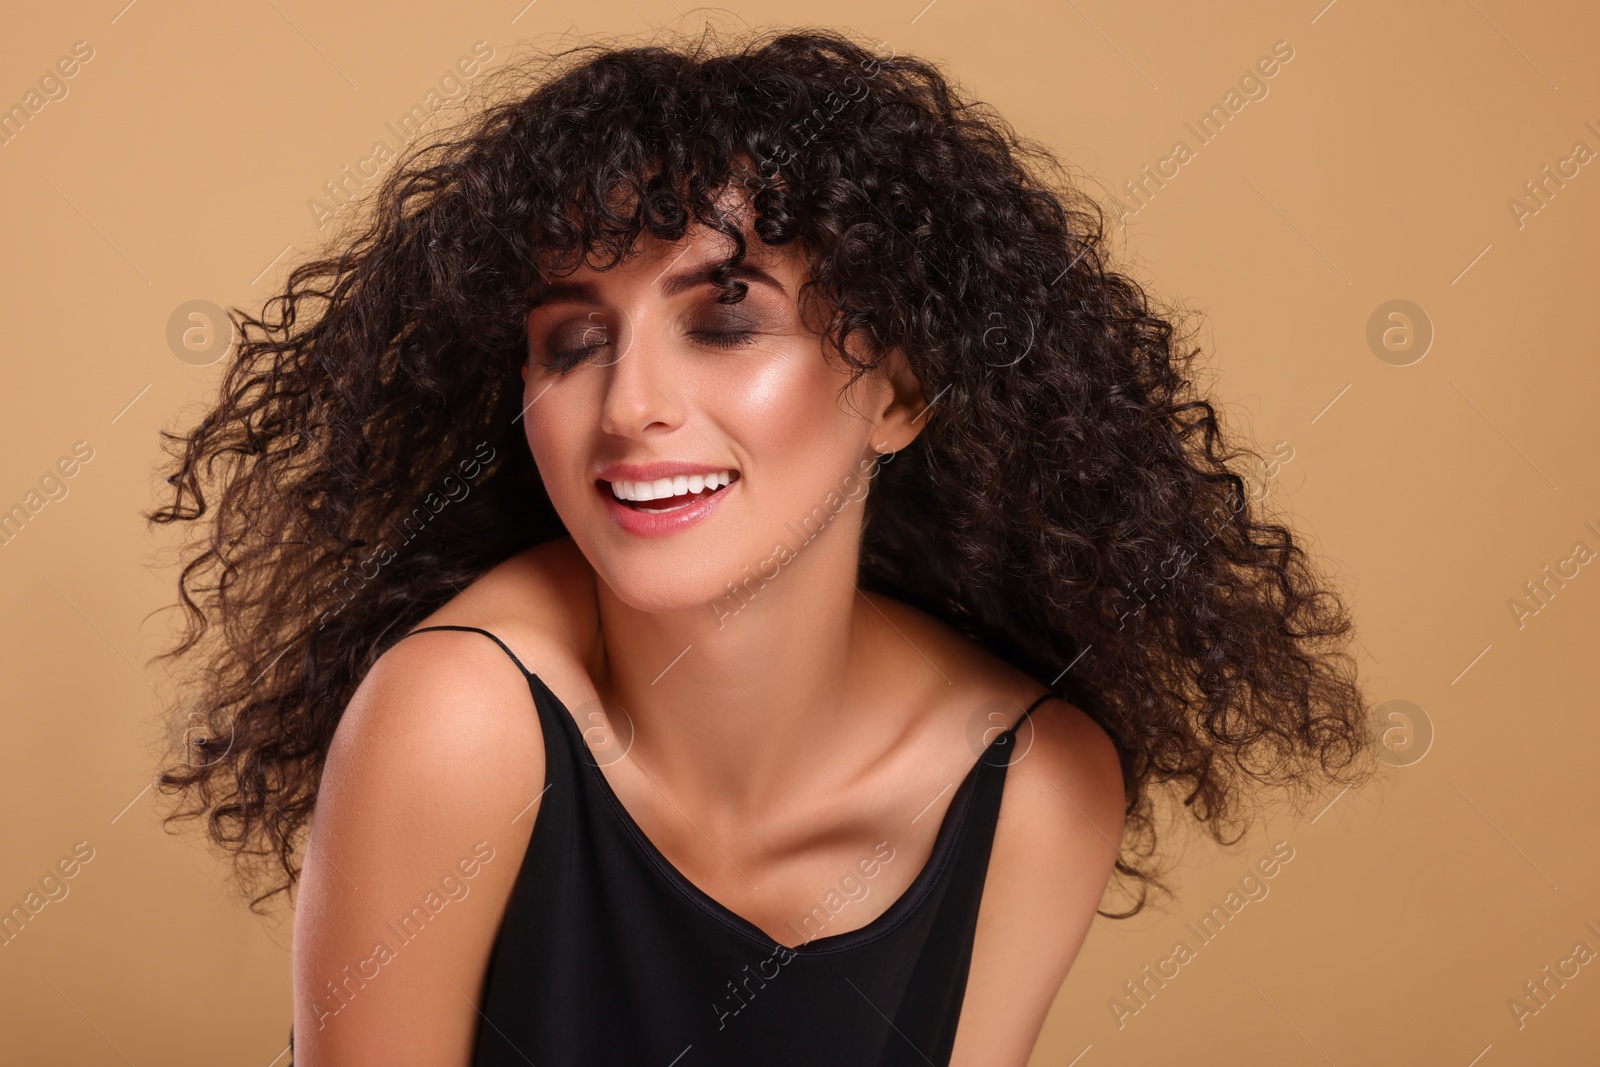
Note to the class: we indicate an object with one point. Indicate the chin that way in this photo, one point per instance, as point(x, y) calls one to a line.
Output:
point(647, 590)
point(665, 576)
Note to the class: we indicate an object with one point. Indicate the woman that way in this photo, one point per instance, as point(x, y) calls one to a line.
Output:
point(720, 561)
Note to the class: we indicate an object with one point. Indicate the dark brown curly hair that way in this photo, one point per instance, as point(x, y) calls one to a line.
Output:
point(1070, 504)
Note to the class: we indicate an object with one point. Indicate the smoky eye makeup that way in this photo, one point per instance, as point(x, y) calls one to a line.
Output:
point(733, 325)
point(724, 319)
point(569, 343)
point(716, 326)
point(704, 322)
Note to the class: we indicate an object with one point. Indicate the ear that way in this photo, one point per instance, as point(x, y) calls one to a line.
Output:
point(902, 407)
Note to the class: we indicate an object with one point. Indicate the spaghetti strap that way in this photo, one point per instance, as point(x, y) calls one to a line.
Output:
point(476, 630)
point(1042, 698)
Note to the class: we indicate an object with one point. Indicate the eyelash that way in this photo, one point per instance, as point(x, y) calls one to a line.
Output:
point(724, 338)
point(566, 359)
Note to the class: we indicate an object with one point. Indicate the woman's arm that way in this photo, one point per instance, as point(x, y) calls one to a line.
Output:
point(420, 827)
point(1058, 837)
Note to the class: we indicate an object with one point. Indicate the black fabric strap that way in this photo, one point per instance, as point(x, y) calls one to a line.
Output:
point(476, 630)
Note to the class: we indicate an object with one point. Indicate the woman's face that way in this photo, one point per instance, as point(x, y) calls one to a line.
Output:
point(639, 383)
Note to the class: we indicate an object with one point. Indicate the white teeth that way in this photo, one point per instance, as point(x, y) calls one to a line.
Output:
point(663, 488)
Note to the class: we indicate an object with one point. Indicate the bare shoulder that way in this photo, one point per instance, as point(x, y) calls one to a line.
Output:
point(423, 814)
point(1056, 842)
point(1055, 846)
point(460, 690)
point(544, 596)
point(441, 707)
point(1064, 799)
point(439, 741)
point(1066, 776)
point(975, 677)
point(541, 604)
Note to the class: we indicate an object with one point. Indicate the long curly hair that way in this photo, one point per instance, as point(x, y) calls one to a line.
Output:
point(1071, 504)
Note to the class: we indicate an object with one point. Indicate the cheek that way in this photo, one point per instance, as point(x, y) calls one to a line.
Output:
point(787, 410)
point(773, 399)
point(556, 426)
point(797, 437)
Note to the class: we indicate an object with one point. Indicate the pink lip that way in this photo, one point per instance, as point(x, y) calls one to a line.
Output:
point(662, 524)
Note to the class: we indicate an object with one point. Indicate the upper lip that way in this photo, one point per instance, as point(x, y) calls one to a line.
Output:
point(650, 472)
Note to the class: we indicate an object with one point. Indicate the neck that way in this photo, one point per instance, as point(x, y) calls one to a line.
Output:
point(749, 699)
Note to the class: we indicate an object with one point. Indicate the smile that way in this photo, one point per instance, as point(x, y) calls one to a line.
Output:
point(670, 494)
point(665, 506)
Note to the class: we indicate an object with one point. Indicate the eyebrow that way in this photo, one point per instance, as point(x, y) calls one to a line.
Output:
point(682, 281)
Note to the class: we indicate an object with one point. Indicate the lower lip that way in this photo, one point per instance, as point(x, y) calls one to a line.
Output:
point(662, 523)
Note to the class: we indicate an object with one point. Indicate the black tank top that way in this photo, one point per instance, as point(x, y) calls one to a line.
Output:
point(607, 954)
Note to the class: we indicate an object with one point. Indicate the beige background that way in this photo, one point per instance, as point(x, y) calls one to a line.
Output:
point(1378, 167)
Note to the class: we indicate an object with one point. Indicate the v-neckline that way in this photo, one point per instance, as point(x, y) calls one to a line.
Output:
point(951, 829)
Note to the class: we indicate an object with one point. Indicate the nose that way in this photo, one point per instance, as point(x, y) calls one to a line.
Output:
point(641, 389)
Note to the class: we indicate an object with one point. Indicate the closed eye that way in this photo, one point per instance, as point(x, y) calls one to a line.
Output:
point(565, 359)
point(724, 339)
